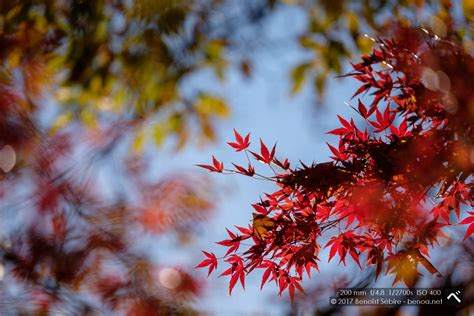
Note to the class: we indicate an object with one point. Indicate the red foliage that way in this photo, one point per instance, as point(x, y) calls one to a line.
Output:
point(62, 236)
point(391, 186)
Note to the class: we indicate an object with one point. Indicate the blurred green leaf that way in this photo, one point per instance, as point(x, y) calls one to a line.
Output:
point(208, 105)
point(159, 134)
point(298, 74)
point(320, 83)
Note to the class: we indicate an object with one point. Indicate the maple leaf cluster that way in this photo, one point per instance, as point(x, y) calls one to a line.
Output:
point(395, 178)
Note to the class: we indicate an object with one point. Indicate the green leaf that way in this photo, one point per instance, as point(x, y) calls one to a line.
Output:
point(320, 82)
point(159, 134)
point(138, 142)
point(298, 75)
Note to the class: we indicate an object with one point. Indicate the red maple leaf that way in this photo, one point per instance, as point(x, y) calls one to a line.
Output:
point(468, 220)
point(217, 166)
point(265, 155)
point(241, 143)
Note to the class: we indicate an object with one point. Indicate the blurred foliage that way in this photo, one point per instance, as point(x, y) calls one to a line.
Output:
point(76, 222)
point(341, 29)
point(80, 81)
point(73, 232)
point(114, 60)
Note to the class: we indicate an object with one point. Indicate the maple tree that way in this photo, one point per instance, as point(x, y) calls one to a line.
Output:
point(393, 181)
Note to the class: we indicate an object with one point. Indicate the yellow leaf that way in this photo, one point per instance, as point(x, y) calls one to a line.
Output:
point(207, 130)
point(211, 105)
point(95, 84)
point(14, 58)
point(215, 49)
point(468, 9)
point(138, 142)
point(183, 136)
point(101, 30)
point(158, 135)
point(174, 122)
point(261, 225)
point(353, 22)
point(320, 82)
point(298, 74)
point(119, 99)
point(61, 121)
point(88, 118)
point(365, 44)
point(64, 94)
point(105, 104)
